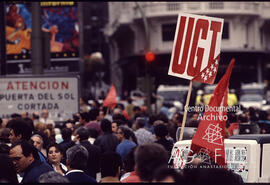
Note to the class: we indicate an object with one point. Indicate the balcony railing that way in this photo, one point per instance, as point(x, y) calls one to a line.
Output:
point(154, 9)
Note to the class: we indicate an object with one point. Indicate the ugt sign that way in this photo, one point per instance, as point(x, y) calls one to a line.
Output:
point(196, 45)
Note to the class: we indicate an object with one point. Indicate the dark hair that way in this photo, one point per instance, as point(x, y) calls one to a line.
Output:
point(109, 164)
point(242, 118)
point(119, 122)
point(119, 117)
point(4, 135)
point(93, 132)
point(19, 126)
point(15, 116)
point(7, 170)
point(163, 171)
point(27, 148)
point(132, 136)
point(149, 157)
point(69, 121)
point(120, 106)
point(93, 114)
point(4, 148)
point(263, 115)
point(129, 100)
point(85, 116)
point(232, 117)
point(129, 161)
point(106, 125)
point(161, 116)
point(136, 108)
point(57, 146)
point(193, 123)
point(125, 131)
point(66, 134)
point(75, 118)
point(140, 122)
point(35, 116)
point(161, 130)
point(252, 113)
point(152, 119)
point(83, 133)
point(97, 103)
point(29, 121)
point(180, 116)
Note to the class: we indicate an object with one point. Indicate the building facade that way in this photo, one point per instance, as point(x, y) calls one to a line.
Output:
point(246, 37)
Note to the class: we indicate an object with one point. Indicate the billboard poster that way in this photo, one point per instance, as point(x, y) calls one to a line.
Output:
point(60, 19)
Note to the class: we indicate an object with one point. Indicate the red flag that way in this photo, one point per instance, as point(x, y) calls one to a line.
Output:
point(110, 100)
point(208, 141)
point(209, 73)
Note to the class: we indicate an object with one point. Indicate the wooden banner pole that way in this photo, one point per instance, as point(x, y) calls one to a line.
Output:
point(108, 110)
point(185, 111)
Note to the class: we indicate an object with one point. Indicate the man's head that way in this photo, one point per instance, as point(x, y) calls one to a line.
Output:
point(66, 134)
point(177, 118)
point(24, 114)
point(140, 122)
point(84, 118)
point(117, 111)
point(93, 114)
point(45, 113)
point(22, 155)
point(52, 177)
point(82, 133)
point(161, 130)
point(110, 164)
point(149, 157)
point(35, 116)
point(106, 125)
point(19, 130)
point(37, 141)
point(77, 157)
point(136, 110)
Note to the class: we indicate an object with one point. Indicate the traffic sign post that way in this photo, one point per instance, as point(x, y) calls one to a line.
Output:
point(196, 51)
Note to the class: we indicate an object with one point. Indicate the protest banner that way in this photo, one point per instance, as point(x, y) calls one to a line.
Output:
point(196, 51)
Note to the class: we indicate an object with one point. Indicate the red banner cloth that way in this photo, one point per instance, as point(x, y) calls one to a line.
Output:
point(110, 100)
point(209, 137)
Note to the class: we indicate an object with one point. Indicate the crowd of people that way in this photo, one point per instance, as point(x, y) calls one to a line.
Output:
point(101, 144)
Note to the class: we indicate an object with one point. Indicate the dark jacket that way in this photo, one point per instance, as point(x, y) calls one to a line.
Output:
point(167, 144)
point(64, 146)
point(80, 177)
point(42, 157)
point(93, 163)
point(107, 142)
point(32, 172)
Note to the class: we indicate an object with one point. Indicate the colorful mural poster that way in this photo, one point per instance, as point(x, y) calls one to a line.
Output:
point(60, 19)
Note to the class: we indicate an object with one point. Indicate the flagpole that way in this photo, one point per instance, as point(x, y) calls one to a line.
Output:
point(185, 111)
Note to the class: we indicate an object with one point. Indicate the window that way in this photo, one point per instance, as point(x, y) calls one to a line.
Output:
point(173, 6)
point(216, 5)
point(168, 31)
point(226, 31)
